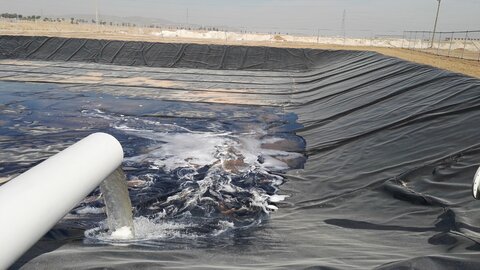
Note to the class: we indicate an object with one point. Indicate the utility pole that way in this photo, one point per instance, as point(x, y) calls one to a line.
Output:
point(343, 25)
point(187, 18)
point(435, 25)
point(96, 13)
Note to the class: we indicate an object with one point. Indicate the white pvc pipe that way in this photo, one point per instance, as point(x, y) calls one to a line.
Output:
point(476, 185)
point(33, 202)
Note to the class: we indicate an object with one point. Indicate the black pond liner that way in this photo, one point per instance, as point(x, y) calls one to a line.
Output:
point(392, 148)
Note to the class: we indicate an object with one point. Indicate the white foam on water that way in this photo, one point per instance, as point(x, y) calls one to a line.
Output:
point(227, 155)
point(90, 210)
point(144, 230)
point(224, 226)
point(176, 146)
point(147, 229)
point(190, 149)
point(277, 198)
point(198, 149)
point(122, 233)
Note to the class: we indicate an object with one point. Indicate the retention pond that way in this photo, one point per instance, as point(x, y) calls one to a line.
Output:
point(251, 157)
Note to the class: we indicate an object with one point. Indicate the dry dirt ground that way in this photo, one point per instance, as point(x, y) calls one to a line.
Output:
point(65, 29)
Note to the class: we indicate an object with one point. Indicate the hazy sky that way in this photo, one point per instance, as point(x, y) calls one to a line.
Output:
point(363, 17)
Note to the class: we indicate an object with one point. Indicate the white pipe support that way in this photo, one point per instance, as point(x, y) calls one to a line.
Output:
point(33, 202)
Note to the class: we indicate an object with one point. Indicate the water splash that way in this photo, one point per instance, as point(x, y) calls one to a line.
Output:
point(192, 181)
point(118, 205)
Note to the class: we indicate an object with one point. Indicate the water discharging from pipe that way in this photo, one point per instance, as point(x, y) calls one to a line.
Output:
point(118, 205)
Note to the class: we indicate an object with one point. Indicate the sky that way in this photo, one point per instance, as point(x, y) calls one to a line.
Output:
point(366, 18)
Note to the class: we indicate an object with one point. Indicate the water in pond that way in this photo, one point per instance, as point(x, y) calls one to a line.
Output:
point(202, 171)
point(336, 160)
